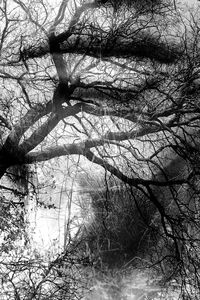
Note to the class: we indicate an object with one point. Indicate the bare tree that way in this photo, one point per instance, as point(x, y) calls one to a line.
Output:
point(118, 84)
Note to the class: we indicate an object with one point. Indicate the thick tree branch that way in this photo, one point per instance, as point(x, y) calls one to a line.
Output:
point(29, 119)
point(99, 44)
point(54, 151)
point(83, 149)
point(42, 131)
point(80, 148)
point(130, 181)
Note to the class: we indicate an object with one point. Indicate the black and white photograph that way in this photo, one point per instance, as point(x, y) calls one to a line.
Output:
point(99, 150)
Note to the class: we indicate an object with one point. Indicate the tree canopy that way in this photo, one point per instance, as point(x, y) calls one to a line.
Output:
point(105, 74)
point(116, 82)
